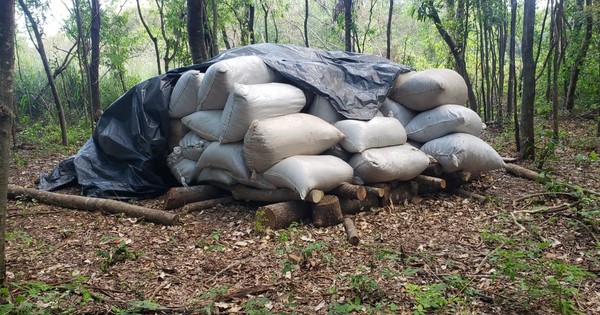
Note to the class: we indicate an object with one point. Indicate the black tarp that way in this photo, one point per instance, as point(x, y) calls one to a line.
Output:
point(125, 157)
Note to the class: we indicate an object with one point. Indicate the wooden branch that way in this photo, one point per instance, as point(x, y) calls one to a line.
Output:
point(180, 196)
point(241, 192)
point(205, 204)
point(95, 204)
point(351, 231)
point(327, 212)
point(281, 215)
point(564, 206)
point(350, 206)
point(523, 172)
point(472, 195)
point(434, 182)
point(350, 191)
point(378, 190)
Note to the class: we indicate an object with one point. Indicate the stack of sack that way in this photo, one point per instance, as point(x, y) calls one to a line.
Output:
point(243, 124)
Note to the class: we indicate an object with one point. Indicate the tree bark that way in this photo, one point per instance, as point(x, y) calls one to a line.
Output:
point(351, 206)
point(42, 52)
point(281, 215)
point(7, 59)
point(95, 204)
point(348, 25)
point(528, 98)
point(575, 70)
point(251, 24)
point(205, 204)
point(195, 28)
point(241, 192)
point(327, 212)
point(512, 74)
point(305, 23)
point(95, 62)
point(153, 38)
point(215, 17)
point(180, 196)
point(350, 191)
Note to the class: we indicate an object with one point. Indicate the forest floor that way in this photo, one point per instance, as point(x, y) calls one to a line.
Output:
point(517, 253)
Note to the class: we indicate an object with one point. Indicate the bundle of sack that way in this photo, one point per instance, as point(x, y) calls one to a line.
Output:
point(240, 122)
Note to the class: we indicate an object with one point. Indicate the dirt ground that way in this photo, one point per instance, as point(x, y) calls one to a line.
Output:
point(514, 254)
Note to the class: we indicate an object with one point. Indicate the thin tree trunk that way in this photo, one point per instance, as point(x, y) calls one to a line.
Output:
point(388, 31)
point(95, 62)
point(251, 24)
point(196, 31)
point(153, 38)
point(7, 54)
point(266, 20)
point(556, 67)
point(348, 25)
point(527, 104)
point(589, 22)
point(305, 23)
point(42, 53)
point(225, 39)
point(512, 75)
point(215, 17)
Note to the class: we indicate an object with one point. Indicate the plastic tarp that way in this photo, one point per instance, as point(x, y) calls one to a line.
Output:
point(126, 156)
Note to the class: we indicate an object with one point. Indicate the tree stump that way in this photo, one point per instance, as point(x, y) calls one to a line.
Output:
point(327, 212)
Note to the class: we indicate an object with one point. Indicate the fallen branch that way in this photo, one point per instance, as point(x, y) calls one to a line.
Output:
point(542, 194)
point(534, 176)
point(521, 227)
point(472, 195)
point(205, 204)
point(94, 204)
point(564, 206)
point(351, 231)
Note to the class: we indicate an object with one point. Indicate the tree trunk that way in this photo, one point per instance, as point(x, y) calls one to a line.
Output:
point(225, 39)
point(7, 59)
point(528, 98)
point(388, 31)
point(205, 204)
point(251, 24)
point(580, 58)
point(215, 17)
point(556, 67)
point(306, 23)
point(512, 74)
point(265, 8)
point(42, 53)
point(153, 38)
point(95, 62)
point(348, 25)
point(281, 215)
point(94, 204)
point(327, 212)
point(195, 30)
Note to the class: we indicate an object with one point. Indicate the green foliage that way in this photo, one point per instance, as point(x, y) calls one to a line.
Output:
point(209, 297)
point(257, 306)
point(136, 307)
point(116, 253)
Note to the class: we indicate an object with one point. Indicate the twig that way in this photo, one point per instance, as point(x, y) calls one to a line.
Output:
point(233, 264)
point(564, 206)
point(542, 194)
point(521, 227)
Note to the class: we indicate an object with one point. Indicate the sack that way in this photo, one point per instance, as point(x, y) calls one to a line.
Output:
point(390, 108)
point(205, 123)
point(322, 108)
point(247, 103)
point(192, 146)
point(271, 140)
point(228, 156)
point(184, 97)
point(401, 162)
point(443, 120)
point(183, 169)
point(463, 152)
point(211, 175)
point(303, 173)
point(220, 77)
point(430, 88)
point(375, 133)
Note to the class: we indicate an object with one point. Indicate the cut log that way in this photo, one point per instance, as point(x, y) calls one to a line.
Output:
point(241, 192)
point(352, 206)
point(351, 231)
point(523, 172)
point(433, 170)
point(456, 179)
point(180, 196)
point(205, 204)
point(327, 212)
point(281, 215)
point(350, 191)
point(433, 182)
point(398, 195)
point(94, 204)
point(471, 195)
point(377, 191)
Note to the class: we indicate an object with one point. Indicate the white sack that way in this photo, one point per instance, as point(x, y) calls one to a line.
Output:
point(247, 103)
point(205, 123)
point(228, 156)
point(430, 88)
point(401, 162)
point(443, 120)
point(322, 108)
point(391, 108)
point(271, 140)
point(183, 169)
point(463, 152)
point(220, 77)
point(212, 175)
point(184, 97)
point(375, 133)
point(303, 173)
point(192, 146)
